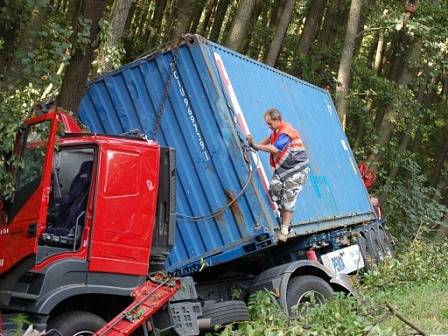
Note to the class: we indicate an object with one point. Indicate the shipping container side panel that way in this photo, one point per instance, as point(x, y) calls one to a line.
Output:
point(204, 172)
point(334, 188)
point(311, 103)
point(258, 205)
point(227, 177)
point(210, 165)
point(260, 81)
point(338, 153)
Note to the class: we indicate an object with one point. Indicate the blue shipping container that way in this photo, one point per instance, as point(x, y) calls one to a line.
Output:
point(207, 99)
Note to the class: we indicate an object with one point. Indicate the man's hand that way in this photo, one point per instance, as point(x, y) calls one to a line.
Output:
point(251, 141)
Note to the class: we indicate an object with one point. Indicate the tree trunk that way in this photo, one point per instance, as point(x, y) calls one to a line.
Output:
point(119, 16)
point(198, 8)
point(209, 9)
point(118, 20)
point(27, 43)
point(379, 52)
point(436, 173)
point(427, 98)
point(184, 18)
point(221, 11)
point(171, 16)
point(155, 26)
point(73, 84)
point(240, 24)
point(391, 115)
point(276, 44)
point(9, 32)
point(362, 126)
point(259, 10)
point(313, 17)
point(342, 87)
point(330, 25)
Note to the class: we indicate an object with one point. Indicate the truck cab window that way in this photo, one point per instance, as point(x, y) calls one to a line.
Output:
point(71, 179)
point(31, 151)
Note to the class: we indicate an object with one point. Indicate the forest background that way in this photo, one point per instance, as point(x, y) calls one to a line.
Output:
point(385, 62)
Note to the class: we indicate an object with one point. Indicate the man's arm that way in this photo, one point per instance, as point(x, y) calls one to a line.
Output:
point(266, 148)
point(264, 145)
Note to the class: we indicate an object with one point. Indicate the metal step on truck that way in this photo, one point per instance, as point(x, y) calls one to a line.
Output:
point(160, 213)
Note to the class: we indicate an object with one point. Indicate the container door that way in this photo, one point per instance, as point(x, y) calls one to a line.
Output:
point(24, 213)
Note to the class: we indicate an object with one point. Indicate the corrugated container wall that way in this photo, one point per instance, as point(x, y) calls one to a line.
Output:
point(206, 99)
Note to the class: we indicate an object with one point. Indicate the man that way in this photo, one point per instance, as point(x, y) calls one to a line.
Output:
point(290, 163)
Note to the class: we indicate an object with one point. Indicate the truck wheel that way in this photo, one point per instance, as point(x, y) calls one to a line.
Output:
point(375, 246)
point(385, 242)
point(222, 313)
point(302, 288)
point(75, 323)
point(365, 253)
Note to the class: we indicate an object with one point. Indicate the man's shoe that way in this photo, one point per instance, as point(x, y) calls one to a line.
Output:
point(282, 237)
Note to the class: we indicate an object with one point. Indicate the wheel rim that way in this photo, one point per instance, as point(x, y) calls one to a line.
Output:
point(84, 333)
point(308, 296)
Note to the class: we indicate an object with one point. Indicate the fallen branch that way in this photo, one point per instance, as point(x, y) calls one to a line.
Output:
point(403, 319)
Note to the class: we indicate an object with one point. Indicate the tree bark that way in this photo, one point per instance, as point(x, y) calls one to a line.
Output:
point(276, 44)
point(379, 52)
point(221, 11)
point(362, 126)
point(313, 18)
point(239, 29)
point(170, 15)
point(343, 82)
point(156, 20)
point(119, 16)
point(436, 173)
point(10, 32)
point(198, 9)
point(184, 18)
point(330, 25)
point(209, 9)
point(259, 10)
point(73, 84)
point(391, 115)
point(27, 43)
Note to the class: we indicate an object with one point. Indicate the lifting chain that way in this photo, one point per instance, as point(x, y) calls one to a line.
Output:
point(171, 70)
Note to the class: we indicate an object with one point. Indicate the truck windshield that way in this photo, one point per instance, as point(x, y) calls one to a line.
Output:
point(32, 147)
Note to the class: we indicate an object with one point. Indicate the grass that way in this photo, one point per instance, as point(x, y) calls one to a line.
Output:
point(425, 305)
point(415, 284)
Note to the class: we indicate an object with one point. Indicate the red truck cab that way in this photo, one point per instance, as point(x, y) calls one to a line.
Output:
point(81, 219)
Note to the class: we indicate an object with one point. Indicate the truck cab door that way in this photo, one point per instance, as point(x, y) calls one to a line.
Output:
point(24, 213)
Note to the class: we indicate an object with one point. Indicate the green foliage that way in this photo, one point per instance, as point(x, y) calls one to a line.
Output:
point(412, 208)
point(420, 269)
point(83, 34)
point(108, 51)
point(20, 322)
point(421, 263)
point(39, 73)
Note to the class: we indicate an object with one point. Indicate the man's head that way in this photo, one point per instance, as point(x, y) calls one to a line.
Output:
point(273, 118)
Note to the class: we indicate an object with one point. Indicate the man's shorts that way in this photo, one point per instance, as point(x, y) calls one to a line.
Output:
point(285, 192)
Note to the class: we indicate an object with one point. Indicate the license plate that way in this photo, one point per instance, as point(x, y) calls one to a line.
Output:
point(345, 260)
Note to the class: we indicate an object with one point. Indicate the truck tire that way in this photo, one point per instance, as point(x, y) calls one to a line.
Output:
point(385, 242)
point(75, 323)
point(374, 244)
point(301, 288)
point(365, 253)
point(222, 313)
